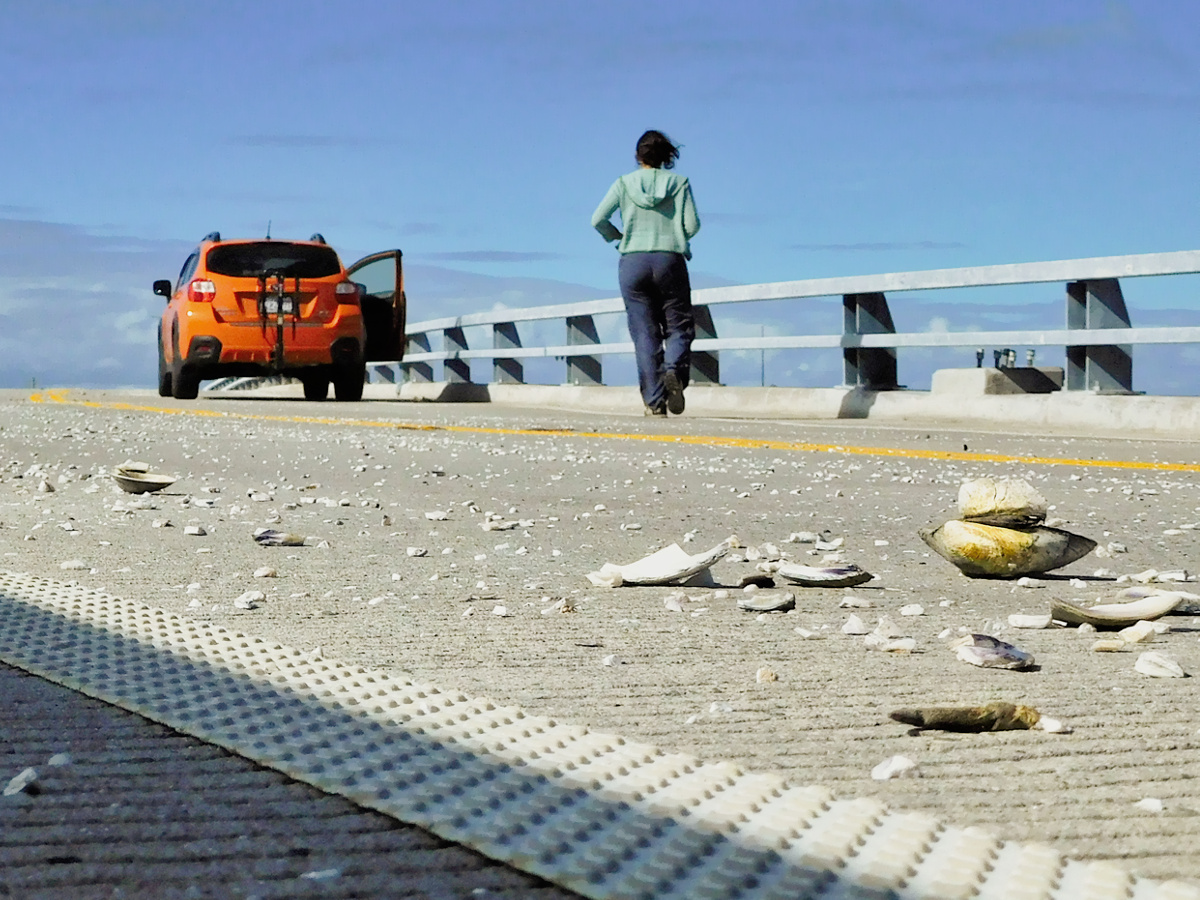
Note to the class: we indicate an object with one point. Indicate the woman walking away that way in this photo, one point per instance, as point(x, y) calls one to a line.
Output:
point(659, 218)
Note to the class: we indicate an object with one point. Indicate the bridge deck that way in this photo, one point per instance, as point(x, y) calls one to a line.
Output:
point(682, 681)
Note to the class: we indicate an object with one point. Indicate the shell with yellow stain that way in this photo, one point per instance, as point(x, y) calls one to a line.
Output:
point(990, 551)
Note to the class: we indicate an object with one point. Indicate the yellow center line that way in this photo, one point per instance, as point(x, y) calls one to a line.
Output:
point(62, 396)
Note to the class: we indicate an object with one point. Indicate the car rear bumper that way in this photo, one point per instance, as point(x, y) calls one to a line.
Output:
point(303, 345)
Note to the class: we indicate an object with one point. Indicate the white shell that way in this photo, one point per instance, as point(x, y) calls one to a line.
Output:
point(1007, 501)
point(671, 565)
point(988, 652)
point(1109, 645)
point(895, 767)
point(824, 576)
point(1158, 665)
point(1139, 633)
point(884, 644)
point(1017, 620)
point(855, 625)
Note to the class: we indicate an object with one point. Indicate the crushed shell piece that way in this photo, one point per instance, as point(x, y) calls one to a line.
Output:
point(1139, 633)
point(671, 565)
point(824, 576)
point(1004, 501)
point(1116, 615)
point(889, 644)
point(765, 675)
point(895, 767)
point(855, 625)
point(22, 783)
point(997, 716)
point(1158, 665)
point(269, 537)
point(1109, 645)
point(1017, 620)
point(990, 653)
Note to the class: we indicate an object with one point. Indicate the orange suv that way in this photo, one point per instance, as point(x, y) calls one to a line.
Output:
point(270, 307)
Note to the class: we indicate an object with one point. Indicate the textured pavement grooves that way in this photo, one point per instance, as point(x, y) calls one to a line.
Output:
point(610, 817)
point(142, 811)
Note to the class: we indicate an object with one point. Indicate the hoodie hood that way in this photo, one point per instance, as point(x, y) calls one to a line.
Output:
point(648, 188)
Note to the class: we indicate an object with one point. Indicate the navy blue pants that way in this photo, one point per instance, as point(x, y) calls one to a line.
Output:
point(658, 304)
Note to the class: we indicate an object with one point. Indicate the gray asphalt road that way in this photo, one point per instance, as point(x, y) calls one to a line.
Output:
point(131, 809)
point(365, 478)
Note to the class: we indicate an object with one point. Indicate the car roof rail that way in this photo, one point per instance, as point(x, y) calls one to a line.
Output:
point(214, 236)
point(318, 238)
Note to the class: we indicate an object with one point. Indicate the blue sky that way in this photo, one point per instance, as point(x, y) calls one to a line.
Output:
point(821, 138)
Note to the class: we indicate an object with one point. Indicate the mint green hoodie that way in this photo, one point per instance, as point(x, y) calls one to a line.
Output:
point(657, 212)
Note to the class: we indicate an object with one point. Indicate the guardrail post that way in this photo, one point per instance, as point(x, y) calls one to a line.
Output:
point(1107, 368)
point(706, 365)
point(583, 369)
point(869, 367)
point(506, 370)
point(457, 370)
point(385, 373)
point(421, 372)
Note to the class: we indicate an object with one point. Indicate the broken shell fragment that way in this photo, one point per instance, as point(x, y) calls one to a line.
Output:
point(1017, 620)
point(989, 551)
point(988, 652)
point(1006, 502)
point(885, 644)
point(249, 600)
point(997, 716)
point(895, 767)
point(1109, 645)
point(1116, 615)
point(269, 537)
point(141, 482)
point(765, 676)
point(824, 576)
point(25, 782)
point(1158, 665)
point(671, 565)
point(758, 579)
point(855, 625)
point(1139, 633)
point(775, 603)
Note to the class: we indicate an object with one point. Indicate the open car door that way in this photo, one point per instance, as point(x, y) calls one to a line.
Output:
point(384, 305)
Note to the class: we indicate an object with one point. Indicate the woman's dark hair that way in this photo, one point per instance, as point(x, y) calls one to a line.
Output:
point(655, 149)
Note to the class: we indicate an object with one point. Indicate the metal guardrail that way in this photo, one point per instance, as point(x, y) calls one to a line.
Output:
point(1098, 336)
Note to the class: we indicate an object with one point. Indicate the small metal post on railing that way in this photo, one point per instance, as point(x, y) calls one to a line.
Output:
point(419, 372)
point(870, 367)
point(706, 364)
point(506, 370)
point(583, 369)
point(457, 370)
point(1098, 303)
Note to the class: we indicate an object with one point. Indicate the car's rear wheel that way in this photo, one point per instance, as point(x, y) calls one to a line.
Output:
point(348, 382)
point(164, 371)
point(316, 387)
point(185, 383)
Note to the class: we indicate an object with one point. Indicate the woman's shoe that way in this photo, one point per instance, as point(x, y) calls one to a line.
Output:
point(674, 393)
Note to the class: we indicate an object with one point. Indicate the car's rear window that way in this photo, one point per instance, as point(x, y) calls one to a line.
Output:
point(273, 257)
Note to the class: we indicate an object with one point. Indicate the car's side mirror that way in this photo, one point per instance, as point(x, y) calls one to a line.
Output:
point(162, 288)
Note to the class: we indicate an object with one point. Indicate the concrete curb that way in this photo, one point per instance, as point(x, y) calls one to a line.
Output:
point(1074, 412)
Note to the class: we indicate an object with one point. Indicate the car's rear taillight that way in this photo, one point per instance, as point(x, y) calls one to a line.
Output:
point(347, 292)
point(202, 291)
